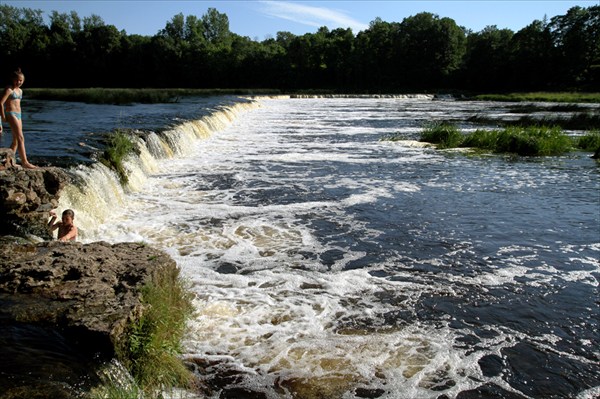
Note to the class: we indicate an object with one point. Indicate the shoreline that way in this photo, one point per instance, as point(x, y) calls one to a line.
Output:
point(97, 95)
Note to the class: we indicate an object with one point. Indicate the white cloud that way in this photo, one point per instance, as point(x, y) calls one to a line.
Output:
point(311, 16)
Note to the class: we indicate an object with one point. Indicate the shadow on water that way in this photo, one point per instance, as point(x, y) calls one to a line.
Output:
point(41, 362)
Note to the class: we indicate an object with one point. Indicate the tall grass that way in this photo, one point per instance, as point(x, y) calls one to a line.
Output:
point(444, 134)
point(151, 352)
point(526, 141)
point(589, 142)
point(533, 141)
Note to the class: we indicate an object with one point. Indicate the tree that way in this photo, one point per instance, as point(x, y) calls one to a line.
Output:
point(375, 56)
point(577, 39)
point(429, 50)
point(98, 49)
point(486, 65)
point(23, 41)
point(532, 57)
point(216, 28)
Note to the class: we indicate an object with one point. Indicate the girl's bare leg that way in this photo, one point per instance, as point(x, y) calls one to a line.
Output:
point(18, 143)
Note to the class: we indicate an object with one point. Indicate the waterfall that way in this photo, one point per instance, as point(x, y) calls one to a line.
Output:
point(95, 192)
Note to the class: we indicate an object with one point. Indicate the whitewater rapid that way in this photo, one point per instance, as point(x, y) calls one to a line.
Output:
point(329, 262)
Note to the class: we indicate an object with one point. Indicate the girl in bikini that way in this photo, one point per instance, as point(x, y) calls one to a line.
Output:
point(11, 100)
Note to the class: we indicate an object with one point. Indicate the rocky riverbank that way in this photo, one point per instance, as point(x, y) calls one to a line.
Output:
point(89, 295)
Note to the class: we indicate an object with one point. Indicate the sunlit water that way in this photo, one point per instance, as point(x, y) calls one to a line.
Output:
point(329, 263)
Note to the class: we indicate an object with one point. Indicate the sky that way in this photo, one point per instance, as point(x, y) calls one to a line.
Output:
point(262, 19)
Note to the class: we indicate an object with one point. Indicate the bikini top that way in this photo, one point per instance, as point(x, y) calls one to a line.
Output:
point(15, 96)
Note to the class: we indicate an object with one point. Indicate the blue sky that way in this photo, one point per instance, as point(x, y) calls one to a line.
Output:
point(259, 19)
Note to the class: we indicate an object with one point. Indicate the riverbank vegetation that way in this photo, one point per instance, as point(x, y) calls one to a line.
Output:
point(118, 146)
point(557, 54)
point(555, 97)
point(586, 120)
point(525, 141)
point(151, 352)
point(154, 345)
point(128, 96)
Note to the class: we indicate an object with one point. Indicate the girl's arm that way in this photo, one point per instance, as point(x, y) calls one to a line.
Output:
point(2, 101)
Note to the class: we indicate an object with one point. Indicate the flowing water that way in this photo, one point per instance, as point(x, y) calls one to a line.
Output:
point(329, 262)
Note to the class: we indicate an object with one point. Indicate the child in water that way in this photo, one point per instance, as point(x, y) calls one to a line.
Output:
point(66, 229)
point(12, 98)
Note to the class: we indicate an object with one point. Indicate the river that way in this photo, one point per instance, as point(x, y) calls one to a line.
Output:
point(330, 262)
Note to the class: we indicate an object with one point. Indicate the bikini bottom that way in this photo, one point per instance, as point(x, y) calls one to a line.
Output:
point(15, 114)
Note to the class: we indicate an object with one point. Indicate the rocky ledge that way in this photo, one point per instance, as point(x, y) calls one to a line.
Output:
point(89, 295)
point(92, 289)
point(27, 196)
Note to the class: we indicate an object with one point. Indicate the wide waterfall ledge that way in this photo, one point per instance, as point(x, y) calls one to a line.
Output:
point(67, 309)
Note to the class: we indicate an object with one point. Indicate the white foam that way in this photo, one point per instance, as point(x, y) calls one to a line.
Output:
point(267, 303)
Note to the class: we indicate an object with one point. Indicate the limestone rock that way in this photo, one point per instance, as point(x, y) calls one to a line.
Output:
point(92, 290)
point(26, 197)
point(7, 158)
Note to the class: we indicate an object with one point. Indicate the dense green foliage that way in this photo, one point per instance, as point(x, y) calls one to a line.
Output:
point(527, 141)
point(422, 52)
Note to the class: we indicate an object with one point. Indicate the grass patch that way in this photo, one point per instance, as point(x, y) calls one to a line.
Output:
point(151, 351)
point(589, 142)
point(526, 141)
point(118, 146)
point(96, 95)
point(578, 121)
point(559, 97)
point(533, 141)
point(113, 390)
point(481, 139)
point(444, 134)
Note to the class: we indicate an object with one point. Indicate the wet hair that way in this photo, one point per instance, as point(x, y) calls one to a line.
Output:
point(69, 212)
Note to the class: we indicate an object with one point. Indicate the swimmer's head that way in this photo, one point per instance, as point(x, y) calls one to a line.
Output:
point(68, 216)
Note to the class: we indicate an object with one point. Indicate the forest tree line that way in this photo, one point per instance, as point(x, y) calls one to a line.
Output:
point(423, 52)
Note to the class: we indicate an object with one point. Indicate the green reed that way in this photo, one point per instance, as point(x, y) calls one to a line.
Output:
point(444, 134)
point(526, 141)
point(590, 141)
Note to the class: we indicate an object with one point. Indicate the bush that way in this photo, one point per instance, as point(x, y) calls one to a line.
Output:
point(445, 135)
